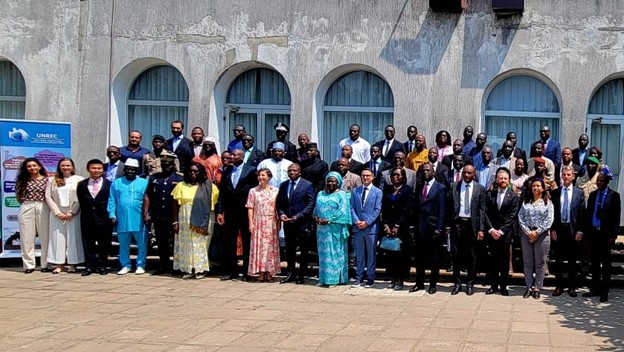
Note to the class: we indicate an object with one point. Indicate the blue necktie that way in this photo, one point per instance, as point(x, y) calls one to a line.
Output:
point(565, 209)
point(598, 210)
point(235, 176)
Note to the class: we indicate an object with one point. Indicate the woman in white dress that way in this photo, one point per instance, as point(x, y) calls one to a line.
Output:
point(65, 241)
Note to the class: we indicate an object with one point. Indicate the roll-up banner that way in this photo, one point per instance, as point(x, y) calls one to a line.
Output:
point(21, 139)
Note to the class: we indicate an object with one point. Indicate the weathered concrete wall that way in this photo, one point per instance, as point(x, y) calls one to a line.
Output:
point(438, 65)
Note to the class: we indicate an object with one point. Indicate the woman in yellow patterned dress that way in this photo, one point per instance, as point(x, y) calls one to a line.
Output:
point(193, 220)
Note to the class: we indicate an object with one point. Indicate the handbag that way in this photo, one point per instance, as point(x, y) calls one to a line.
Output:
point(391, 243)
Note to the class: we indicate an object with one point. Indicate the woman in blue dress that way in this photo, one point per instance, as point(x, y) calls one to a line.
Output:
point(333, 216)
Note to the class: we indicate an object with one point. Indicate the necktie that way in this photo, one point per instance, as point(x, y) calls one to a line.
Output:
point(374, 167)
point(235, 176)
point(598, 210)
point(96, 188)
point(457, 173)
point(411, 146)
point(386, 147)
point(467, 200)
point(364, 195)
point(292, 189)
point(565, 208)
point(425, 189)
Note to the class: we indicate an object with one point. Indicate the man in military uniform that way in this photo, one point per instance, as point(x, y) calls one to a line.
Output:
point(151, 160)
point(157, 208)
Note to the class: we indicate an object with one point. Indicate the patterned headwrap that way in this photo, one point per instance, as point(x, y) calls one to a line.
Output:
point(335, 175)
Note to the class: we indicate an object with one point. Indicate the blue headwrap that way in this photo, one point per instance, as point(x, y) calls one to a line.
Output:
point(335, 175)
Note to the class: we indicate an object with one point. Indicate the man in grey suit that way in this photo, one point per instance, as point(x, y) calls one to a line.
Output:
point(468, 199)
point(365, 210)
point(566, 231)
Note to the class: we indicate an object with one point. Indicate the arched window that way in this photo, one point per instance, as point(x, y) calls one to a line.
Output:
point(258, 99)
point(521, 104)
point(12, 92)
point(157, 97)
point(357, 97)
point(605, 122)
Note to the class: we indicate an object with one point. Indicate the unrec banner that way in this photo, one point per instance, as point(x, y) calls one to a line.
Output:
point(21, 139)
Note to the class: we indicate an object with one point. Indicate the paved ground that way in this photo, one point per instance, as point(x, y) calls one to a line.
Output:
point(113, 313)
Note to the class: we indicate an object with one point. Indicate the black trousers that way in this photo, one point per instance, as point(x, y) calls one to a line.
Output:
point(463, 243)
point(235, 223)
point(566, 256)
point(399, 262)
point(428, 249)
point(96, 242)
point(499, 262)
point(296, 234)
point(164, 241)
point(600, 254)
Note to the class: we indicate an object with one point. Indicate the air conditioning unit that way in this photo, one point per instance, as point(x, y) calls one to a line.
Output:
point(456, 6)
point(507, 7)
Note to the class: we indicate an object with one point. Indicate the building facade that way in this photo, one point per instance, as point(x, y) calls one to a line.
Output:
point(110, 66)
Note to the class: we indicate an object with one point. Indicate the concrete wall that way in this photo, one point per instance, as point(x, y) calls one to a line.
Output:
point(439, 65)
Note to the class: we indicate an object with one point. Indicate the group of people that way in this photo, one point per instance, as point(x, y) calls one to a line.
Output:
point(403, 199)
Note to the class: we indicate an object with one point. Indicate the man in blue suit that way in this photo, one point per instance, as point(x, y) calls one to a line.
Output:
point(552, 148)
point(295, 203)
point(567, 231)
point(365, 210)
point(180, 145)
point(430, 215)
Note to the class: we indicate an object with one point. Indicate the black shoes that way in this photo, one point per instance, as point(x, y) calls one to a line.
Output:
point(102, 271)
point(527, 293)
point(300, 281)
point(456, 289)
point(557, 292)
point(491, 291)
point(536, 294)
point(604, 298)
point(432, 290)
point(45, 270)
point(87, 272)
point(229, 277)
point(469, 290)
point(572, 292)
point(287, 279)
point(504, 292)
point(29, 271)
point(416, 288)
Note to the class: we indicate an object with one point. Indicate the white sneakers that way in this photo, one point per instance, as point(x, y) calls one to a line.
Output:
point(123, 271)
point(139, 271)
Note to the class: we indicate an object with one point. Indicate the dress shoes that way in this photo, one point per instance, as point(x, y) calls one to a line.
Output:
point(229, 277)
point(87, 272)
point(591, 294)
point(391, 284)
point(29, 271)
point(504, 292)
point(102, 271)
point(432, 290)
point(527, 293)
point(398, 287)
point(456, 289)
point(557, 292)
point(416, 288)
point(245, 278)
point(300, 281)
point(572, 292)
point(491, 291)
point(469, 290)
point(604, 298)
point(536, 294)
point(287, 279)
point(45, 270)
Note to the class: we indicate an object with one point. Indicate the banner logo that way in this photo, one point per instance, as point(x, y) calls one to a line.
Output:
point(18, 135)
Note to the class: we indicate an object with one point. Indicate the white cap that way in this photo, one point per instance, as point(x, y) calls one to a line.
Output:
point(132, 163)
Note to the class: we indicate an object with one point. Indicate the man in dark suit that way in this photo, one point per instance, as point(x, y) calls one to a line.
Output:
point(501, 211)
point(314, 169)
point(410, 144)
point(468, 200)
point(96, 227)
point(377, 164)
point(566, 231)
point(430, 216)
point(252, 155)
point(517, 153)
point(236, 182)
point(354, 166)
point(580, 154)
point(365, 211)
point(566, 160)
point(458, 149)
point(180, 145)
point(281, 134)
point(440, 170)
point(455, 172)
point(114, 167)
point(295, 203)
point(389, 146)
point(603, 214)
point(551, 148)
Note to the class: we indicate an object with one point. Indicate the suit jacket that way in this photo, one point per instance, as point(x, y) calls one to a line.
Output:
point(611, 210)
point(53, 200)
point(577, 173)
point(430, 214)
point(576, 156)
point(397, 212)
point(234, 198)
point(255, 157)
point(369, 211)
point(451, 175)
point(119, 172)
point(396, 146)
point(93, 211)
point(553, 152)
point(441, 174)
point(354, 166)
point(409, 174)
point(301, 203)
point(184, 151)
point(477, 204)
point(383, 166)
point(406, 146)
point(503, 219)
point(448, 160)
point(577, 211)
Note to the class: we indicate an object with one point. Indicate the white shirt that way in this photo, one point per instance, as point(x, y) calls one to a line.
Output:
point(279, 169)
point(368, 189)
point(563, 191)
point(463, 212)
point(386, 146)
point(90, 186)
point(176, 142)
point(361, 149)
point(429, 185)
point(500, 197)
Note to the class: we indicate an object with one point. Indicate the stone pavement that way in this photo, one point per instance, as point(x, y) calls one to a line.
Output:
point(45, 312)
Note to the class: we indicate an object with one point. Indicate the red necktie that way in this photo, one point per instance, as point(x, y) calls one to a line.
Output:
point(456, 176)
point(424, 195)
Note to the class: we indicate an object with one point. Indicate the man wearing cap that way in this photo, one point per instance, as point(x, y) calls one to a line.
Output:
point(237, 143)
point(151, 160)
point(209, 157)
point(361, 147)
point(314, 169)
point(197, 135)
point(538, 152)
point(134, 150)
point(125, 209)
point(180, 145)
point(253, 156)
point(157, 208)
point(277, 164)
point(281, 132)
